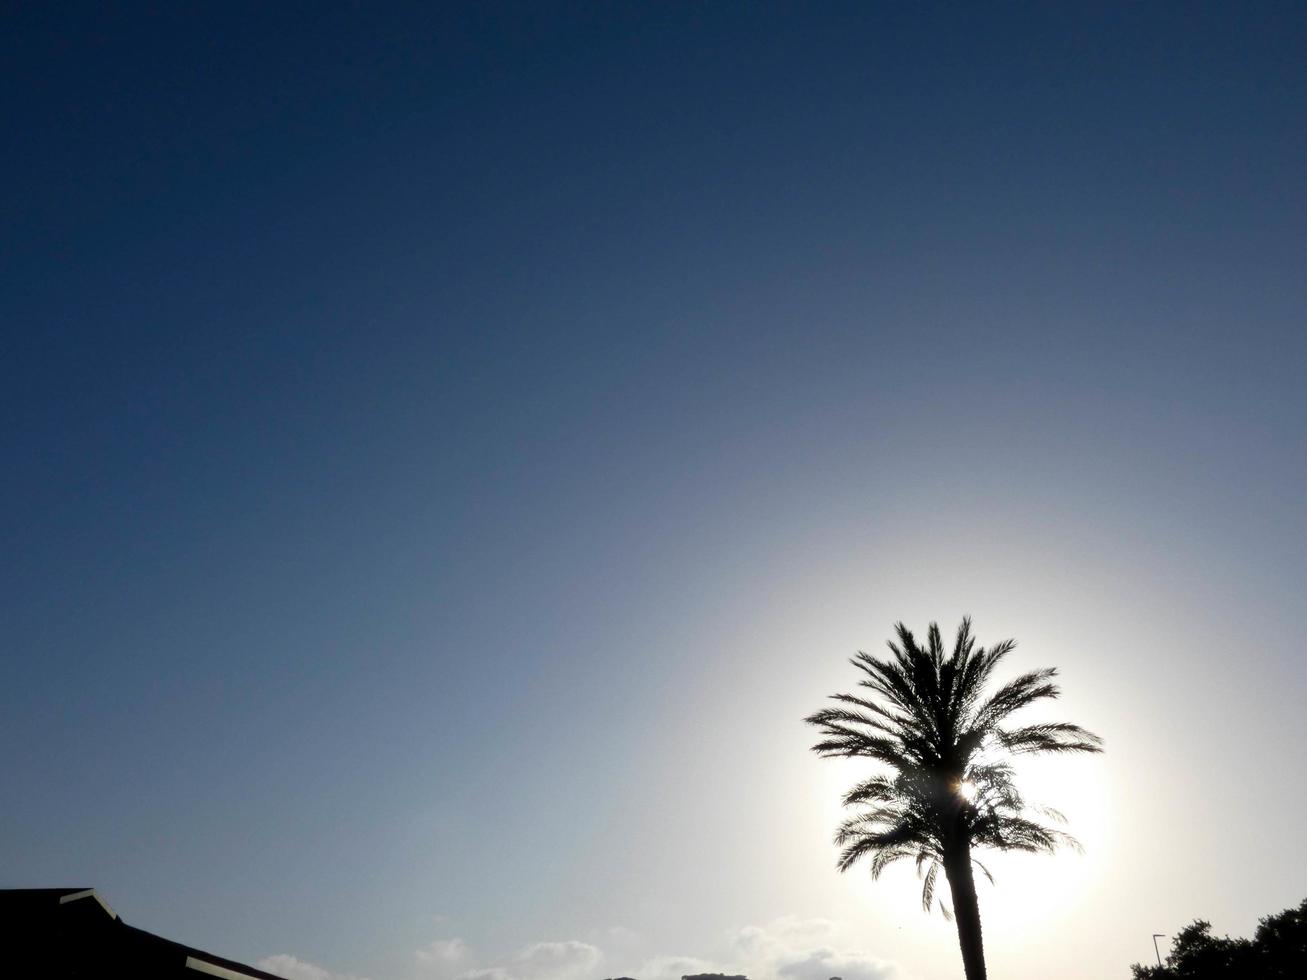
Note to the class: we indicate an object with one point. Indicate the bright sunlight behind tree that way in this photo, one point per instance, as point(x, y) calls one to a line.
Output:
point(951, 788)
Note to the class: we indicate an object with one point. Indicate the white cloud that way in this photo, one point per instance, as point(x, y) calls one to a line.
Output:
point(568, 960)
point(442, 952)
point(789, 948)
point(819, 964)
point(783, 937)
point(674, 967)
point(293, 968)
point(792, 948)
point(491, 973)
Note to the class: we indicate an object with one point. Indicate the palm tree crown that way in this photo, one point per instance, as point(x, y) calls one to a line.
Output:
point(947, 745)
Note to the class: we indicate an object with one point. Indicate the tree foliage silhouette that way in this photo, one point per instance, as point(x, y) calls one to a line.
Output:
point(950, 789)
point(1278, 950)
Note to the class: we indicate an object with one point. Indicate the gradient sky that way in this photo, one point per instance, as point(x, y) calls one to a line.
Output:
point(447, 450)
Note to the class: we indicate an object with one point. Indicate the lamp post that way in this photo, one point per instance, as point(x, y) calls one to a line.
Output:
point(1156, 937)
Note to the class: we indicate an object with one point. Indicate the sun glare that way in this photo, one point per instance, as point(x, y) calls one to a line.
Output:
point(1078, 790)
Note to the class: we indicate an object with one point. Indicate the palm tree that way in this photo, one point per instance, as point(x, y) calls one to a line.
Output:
point(950, 788)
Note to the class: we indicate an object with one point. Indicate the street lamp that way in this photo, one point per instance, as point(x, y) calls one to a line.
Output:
point(1156, 937)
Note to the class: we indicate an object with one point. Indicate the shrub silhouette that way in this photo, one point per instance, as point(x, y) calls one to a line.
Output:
point(1277, 950)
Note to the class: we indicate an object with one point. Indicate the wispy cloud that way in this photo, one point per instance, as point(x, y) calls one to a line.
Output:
point(674, 967)
point(794, 948)
point(569, 959)
point(294, 968)
point(789, 948)
point(443, 953)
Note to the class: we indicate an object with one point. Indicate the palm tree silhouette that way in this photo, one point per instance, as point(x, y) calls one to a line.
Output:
point(951, 789)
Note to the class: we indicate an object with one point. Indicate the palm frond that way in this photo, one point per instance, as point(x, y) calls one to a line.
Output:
point(1017, 694)
point(928, 886)
point(886, 856)
point(1048, 737)
point(877, 789)
point(922, 712)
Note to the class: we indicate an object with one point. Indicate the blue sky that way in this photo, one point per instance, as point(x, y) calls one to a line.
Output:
point(449, 448)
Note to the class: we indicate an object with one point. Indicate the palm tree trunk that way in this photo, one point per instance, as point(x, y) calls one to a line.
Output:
point(966, 911)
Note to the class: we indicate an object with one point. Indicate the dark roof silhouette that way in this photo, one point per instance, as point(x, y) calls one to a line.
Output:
point(66, 933)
